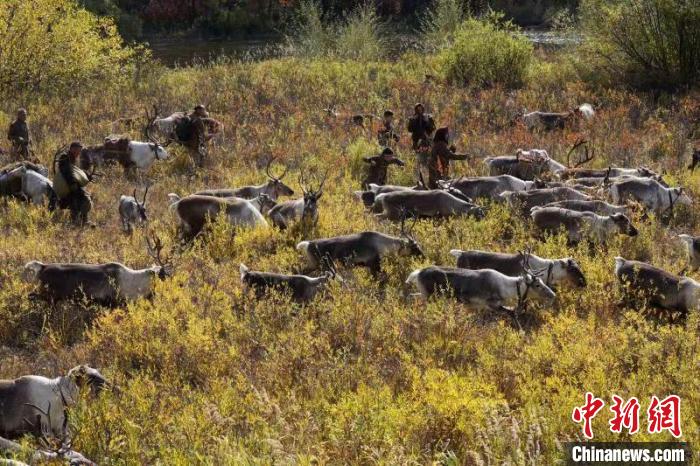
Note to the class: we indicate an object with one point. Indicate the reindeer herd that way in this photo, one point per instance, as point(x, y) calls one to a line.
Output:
point(586, 204)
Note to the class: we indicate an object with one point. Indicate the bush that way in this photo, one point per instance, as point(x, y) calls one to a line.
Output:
point(485, 53)
point(442, 22)
point(51, 46)
point(645, 43)
point(358, 37)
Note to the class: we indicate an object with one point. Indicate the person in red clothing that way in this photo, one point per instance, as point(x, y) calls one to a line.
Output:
point(440, 156)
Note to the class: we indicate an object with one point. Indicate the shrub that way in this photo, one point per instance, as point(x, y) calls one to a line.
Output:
point(359, 36)
point(50, 46)
point(645, 43)
point(485, 53)
point(442, 22)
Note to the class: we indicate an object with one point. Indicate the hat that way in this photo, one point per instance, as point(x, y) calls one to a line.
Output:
point(387, 151)
point(199, 107)
point(76, 144)
point(415, 107)
point(388, 113)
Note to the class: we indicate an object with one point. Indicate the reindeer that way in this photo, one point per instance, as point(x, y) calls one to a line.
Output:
point(39, 406)
point(660, 288)
point(273, 187)
point(597, 207)
point(692, 244)
point(304, 210)
point(132, 212)
point(532, 164)
point(301, 287)
point(364, 249)
point(610, 172)
point(488, 187)
point(195, 211)
point(481, 289)
point(447, 202)
point(580, 225)
point(648, 192)
point(368, 197)
point(526, 200)
point(552, 271)
point(196, 143)
point(549, 121)
point(23, 181)
point(107, 284)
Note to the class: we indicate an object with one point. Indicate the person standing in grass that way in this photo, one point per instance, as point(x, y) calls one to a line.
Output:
point(421, 125)
point(440, 156)
point(18, 135)
point(378, 167)
point(387, 134)
point(69, 184)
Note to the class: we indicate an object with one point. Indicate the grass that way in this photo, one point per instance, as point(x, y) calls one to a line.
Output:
point(209, 375)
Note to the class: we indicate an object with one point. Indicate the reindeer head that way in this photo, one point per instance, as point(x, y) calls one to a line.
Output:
point(311, 196)
point(624, 224)
point(265, 203)
point(275, 187)
point(142, 205)
point(85, 376)
point(409, 245)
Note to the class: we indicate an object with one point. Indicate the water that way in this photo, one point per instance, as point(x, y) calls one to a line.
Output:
point(184, 51)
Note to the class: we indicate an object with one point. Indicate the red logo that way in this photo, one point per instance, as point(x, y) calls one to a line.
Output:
point(587, 412)
point(661, 415)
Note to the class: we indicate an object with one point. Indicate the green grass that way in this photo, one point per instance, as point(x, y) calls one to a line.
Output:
point(209, 375)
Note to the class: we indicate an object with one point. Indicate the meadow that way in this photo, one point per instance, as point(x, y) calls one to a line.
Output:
point(207, 374)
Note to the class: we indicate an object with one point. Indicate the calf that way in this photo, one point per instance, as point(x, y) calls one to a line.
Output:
point(526, 200)
point(132, 212)
point(106, 284)
point(482, 289)
point(554, 271)
point(648, 192)
point(37, 405)
point(660, 288)
point(597, 207)
point(580, 225)
point(692, 244)
point(426, 204)
point(301, 287)
point(364, 249)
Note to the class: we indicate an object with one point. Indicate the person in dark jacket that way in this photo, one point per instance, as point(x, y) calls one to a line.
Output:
point(440, 156)
point(420, 125)
point(18, 135)
point(69, 185)
point(378, 167)
point(387, 134)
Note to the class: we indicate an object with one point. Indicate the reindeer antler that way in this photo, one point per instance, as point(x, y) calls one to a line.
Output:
point(270, 175)
point(154, 246)
point(579, 142)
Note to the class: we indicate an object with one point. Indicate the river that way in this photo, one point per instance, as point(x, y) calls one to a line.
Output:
point(184, 51)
